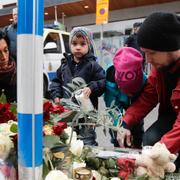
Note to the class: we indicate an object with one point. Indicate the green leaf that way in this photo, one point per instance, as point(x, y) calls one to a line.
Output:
point(64, 136)
point(13, 108)
point(14, 128)
point(102, 170)
point(143, 177)
point(113, 172)
point(79, 82)
point(110, 163)
point(50, 141)
point(3, 98)
point(68, 116)
point(45, 170)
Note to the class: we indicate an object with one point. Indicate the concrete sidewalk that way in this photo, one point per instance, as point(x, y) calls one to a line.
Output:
point(104, 141)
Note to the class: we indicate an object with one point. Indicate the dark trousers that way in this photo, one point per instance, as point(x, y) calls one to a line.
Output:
point(158, 129)
point(86, 133)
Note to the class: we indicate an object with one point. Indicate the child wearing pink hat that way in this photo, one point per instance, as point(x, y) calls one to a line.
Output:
point(128, 70)
point(124, 82)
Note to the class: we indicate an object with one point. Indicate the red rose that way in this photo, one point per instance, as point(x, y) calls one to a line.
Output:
point(58, 109)
point(123, 175)
point(50, 108)
point(59, 127)
point(4, 108)
point(126, 167)
point(47, 108)
point(6, 114)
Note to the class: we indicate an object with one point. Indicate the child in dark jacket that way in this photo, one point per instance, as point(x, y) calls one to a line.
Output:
point(80, 63)
point(124, 82)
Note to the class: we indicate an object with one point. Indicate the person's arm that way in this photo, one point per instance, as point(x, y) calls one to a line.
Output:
point(138, 110)
point(144, 103)
point(97, 85)
point(172, 138)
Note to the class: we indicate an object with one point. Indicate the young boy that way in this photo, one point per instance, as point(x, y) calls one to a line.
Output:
point(80, 63)
point(124, 82)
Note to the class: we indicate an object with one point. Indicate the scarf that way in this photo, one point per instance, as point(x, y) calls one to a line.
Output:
point(8, 74)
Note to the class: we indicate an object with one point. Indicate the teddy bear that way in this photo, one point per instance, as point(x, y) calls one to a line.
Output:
point(155, 162)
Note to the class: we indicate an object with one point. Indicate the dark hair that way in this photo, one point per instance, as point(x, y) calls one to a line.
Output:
point(4, 36)
point(137, 24)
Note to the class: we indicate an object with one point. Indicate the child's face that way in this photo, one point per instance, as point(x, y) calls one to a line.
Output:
point(79, 47)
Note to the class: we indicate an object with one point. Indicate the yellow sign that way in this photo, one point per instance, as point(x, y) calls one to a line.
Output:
point(102, 11)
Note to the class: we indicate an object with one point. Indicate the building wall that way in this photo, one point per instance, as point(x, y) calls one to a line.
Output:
point(120, 15)
point(119, 20)
point(4, 2)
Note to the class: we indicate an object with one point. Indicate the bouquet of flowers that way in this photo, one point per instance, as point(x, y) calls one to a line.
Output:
point(64, 155)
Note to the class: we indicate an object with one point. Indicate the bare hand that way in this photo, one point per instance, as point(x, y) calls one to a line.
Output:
point(87, 91)
point(124, 137)
point(57, 100)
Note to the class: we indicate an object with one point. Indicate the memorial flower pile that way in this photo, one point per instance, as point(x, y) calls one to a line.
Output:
point(64, 156)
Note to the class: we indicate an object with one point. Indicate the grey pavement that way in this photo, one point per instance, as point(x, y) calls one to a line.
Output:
point(104, 141)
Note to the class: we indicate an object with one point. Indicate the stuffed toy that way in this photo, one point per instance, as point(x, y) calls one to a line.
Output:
point(155, 162)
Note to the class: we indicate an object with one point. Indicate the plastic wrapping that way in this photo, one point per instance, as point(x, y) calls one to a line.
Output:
point(84, 102)
point(7, 171)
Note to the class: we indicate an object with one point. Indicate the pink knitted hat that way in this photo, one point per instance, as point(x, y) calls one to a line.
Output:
point(128, 69)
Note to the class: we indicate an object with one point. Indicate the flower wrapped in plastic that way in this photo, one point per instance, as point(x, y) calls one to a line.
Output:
point(7, 170)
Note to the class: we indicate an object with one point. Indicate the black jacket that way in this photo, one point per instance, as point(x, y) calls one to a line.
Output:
point(88, 69)
point(8, 82)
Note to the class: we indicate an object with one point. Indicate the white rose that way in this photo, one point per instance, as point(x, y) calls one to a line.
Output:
point(115, 178)
point(78, 164)
point(56, 175)
point(68, 132)
point(77, 147)
point(5, 128)
point(5, 146)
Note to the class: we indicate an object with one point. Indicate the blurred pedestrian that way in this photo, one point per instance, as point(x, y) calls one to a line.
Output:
point(11, 32)
point(131, 41)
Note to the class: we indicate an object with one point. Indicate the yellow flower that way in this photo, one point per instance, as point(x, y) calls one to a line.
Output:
point(47, 129)
point(5, 128)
